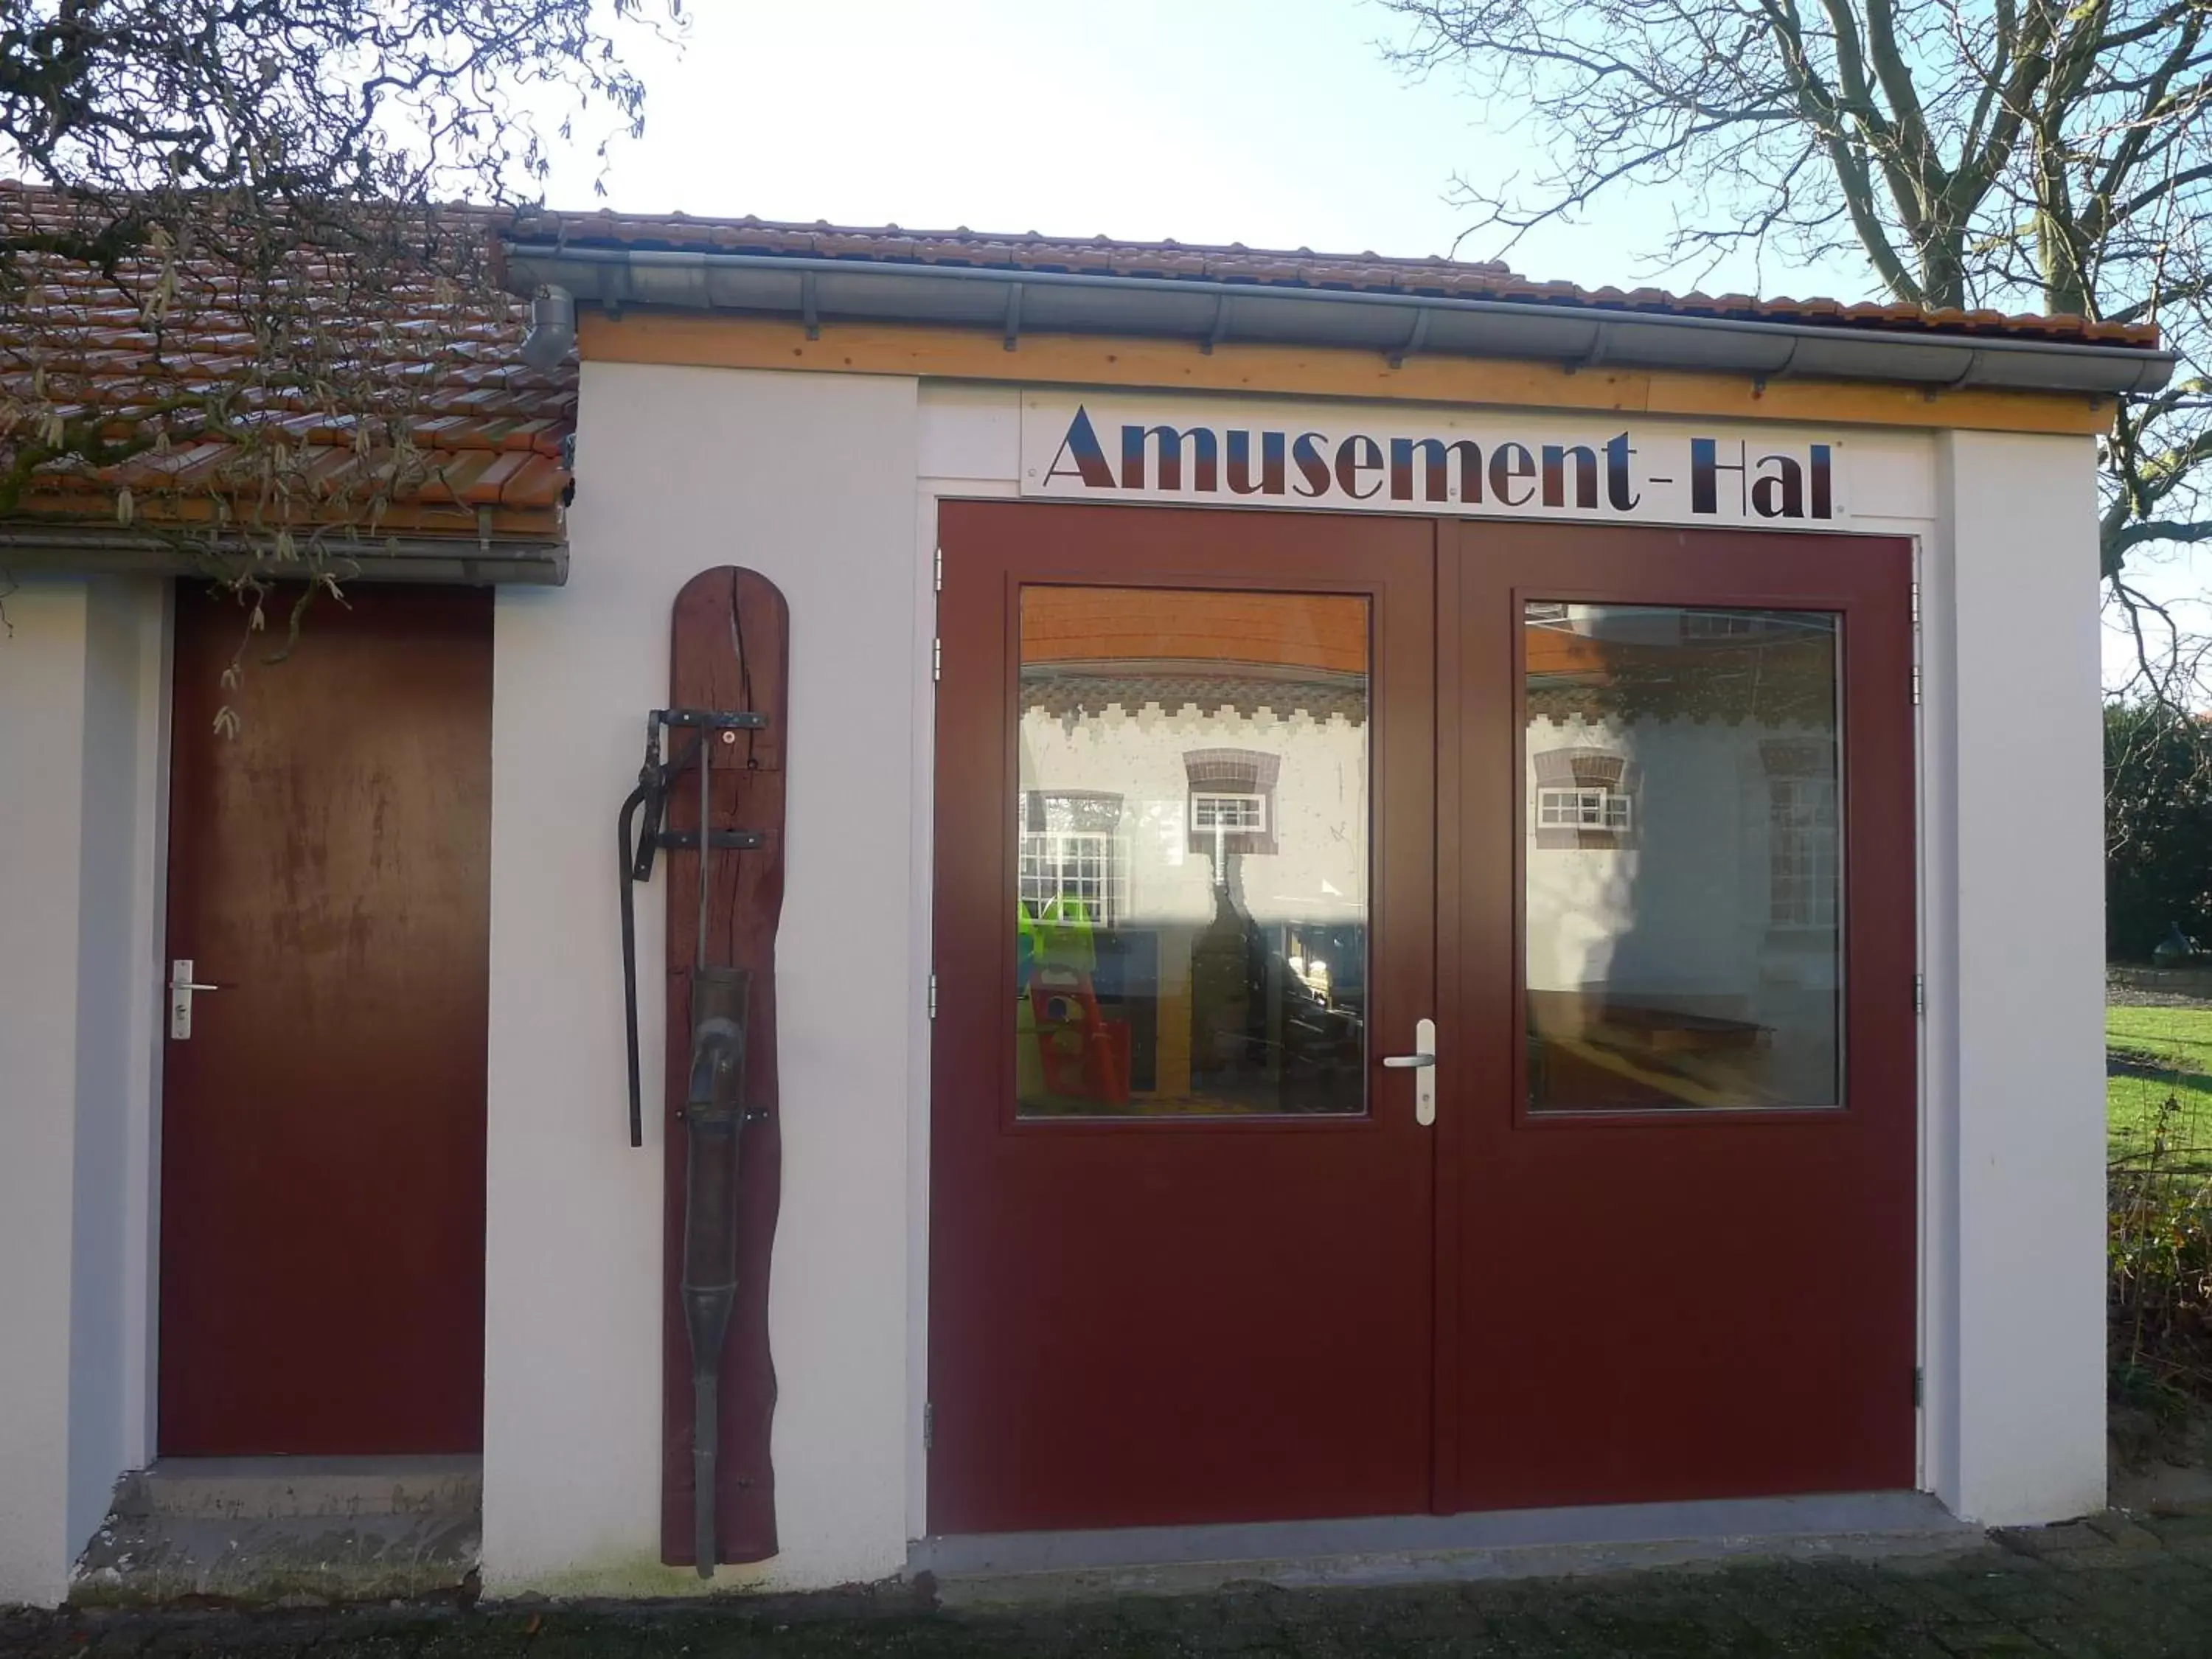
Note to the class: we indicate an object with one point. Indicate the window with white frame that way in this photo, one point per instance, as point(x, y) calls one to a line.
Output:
point(1238, 813)
point(1583, 809)
point(1070, 854)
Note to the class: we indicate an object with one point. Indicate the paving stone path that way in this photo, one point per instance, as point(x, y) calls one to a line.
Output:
point(2113, 1589)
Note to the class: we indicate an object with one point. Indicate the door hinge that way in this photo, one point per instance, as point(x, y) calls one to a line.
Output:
point(1918, 1382)
point(929, 1425)
point(937, 576)
point(933, 996)
point(1916, 685)
point(1916, 600)
point(1919, 994)
point(936, 660)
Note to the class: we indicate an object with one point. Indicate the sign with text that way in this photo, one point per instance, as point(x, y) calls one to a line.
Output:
point(1403, 458)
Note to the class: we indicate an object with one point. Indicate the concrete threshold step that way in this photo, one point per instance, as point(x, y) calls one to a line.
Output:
point(1032, 1567)
point(288, 1530)
point(271, 1488)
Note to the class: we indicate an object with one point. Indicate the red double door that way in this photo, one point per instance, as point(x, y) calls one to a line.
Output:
point(1237, 815)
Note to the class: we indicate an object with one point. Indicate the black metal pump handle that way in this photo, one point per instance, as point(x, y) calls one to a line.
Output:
point(636, 844)
point(630, 850)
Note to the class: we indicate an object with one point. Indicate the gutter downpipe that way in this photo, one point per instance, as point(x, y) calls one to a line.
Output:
point(2115, 369)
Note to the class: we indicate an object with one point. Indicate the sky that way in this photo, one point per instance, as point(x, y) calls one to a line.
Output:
point(1208, 120)
point(1273, 124)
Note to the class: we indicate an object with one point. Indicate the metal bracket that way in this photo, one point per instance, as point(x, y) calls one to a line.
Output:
point(1781, 371)
point(1413, 341)
point(710, 719)
point(1600, 343)
point(1219, 331)
point(686, 840)
point(1965, 375)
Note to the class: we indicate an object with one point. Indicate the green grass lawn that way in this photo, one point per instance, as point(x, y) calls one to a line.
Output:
point(2158, 1073)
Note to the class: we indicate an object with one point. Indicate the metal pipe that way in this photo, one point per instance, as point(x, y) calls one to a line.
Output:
point(714, 1121)
point(1162, 306)
point(552, 333)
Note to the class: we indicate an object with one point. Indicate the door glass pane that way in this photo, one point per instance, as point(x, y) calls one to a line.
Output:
point(1191, 836)
point(1683, 864)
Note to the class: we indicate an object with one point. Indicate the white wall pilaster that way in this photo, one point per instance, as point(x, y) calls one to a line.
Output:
point(2024, 1435)
point(809, 479)
point(81, 695)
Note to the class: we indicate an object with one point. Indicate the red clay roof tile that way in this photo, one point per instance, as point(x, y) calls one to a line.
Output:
point(1299, 267)
point(493, 432)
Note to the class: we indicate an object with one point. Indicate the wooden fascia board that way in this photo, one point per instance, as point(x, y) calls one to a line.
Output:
point(700, 340)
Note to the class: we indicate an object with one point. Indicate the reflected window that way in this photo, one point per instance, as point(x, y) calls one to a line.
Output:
point(1232, 813)
point(1682, 945)
point(1585, 798)
point(1231, 790)
point(1070, 859)
point(1582, 809)
point(1801, 840)
point(1191, 888)
point(1717, 624)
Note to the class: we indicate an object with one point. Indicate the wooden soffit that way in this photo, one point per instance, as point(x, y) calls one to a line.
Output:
point(701, 340)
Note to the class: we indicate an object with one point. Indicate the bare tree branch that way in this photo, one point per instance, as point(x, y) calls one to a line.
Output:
point(223, 314)
point(2030, 155)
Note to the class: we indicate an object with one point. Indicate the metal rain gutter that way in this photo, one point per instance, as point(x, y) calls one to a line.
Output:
point(1397, 325)
point(402, 559)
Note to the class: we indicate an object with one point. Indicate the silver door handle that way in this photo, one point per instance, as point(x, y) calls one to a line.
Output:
point(181, 987)
point(1422, 1061)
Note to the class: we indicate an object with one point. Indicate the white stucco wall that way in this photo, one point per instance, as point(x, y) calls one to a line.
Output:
point(41, 768)
point(81, 683)
point(811, 480)
point(2016, 1068)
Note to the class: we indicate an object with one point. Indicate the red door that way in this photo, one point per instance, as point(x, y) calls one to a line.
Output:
point(323, 1122)
point(1678, 1054)
point(1181, 1239)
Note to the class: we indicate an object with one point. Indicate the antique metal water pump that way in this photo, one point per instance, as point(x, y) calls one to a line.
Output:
point(710, 794)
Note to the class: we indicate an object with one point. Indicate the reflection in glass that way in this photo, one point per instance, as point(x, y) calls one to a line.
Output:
point(1190, 904)
point(1683, 866)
